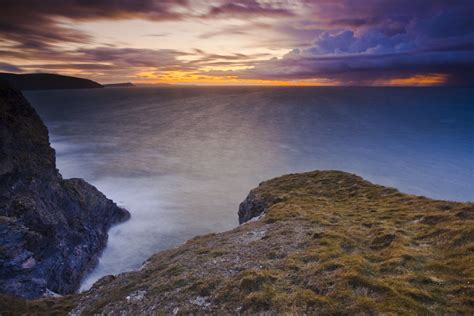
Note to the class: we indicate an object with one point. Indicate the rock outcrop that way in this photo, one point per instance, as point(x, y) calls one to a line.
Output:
point(43, 81)
point(51, 230)
point(255, 205)
point(325, 242)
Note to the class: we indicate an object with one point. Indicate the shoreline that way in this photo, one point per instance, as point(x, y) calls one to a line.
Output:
point(329, 242)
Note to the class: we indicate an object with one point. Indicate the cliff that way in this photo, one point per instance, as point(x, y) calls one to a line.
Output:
point(323, 242)
point(43, 81)
point(51, 230)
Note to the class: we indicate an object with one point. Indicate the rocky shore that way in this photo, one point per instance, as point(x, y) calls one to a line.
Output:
point(323, 242)
point(51, 230)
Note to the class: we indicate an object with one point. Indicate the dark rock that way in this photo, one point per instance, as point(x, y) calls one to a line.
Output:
point(255, 205)
point(298, 260)
point(51, 230)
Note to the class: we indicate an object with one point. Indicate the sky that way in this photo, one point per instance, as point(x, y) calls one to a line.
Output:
point(257, 42)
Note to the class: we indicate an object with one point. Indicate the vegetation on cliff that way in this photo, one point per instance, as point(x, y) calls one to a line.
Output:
point(325, 242)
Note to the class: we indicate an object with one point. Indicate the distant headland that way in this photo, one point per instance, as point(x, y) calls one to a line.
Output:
point(117, 85)
point(45, 81)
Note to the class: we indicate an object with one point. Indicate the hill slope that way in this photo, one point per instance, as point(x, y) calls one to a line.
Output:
point(42, 81)
point(329, 243)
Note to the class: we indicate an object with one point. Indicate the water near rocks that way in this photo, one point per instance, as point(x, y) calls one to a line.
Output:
point(181, 159)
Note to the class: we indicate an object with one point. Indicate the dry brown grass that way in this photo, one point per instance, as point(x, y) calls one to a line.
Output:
point(332, 243)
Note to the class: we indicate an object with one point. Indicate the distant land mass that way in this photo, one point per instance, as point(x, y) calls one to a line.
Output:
point(155, 84)
point(121, 84)
point(44, 81)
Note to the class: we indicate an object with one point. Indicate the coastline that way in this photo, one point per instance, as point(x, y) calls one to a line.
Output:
point(52, 229)
point(328, 242)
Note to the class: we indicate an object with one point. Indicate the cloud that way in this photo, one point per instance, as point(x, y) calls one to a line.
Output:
point(346, 41)
point(390, 40)
point(39, 24)
point(68, 66)
point(229, 31)
point(132, 57)
point(246, 8)
point(9, 67)
point(157, 35)
point(362, 69)
point(372, 41)
point(98, 9)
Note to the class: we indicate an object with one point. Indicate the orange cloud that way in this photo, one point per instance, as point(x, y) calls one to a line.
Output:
point(184, 77)
point(417, 80)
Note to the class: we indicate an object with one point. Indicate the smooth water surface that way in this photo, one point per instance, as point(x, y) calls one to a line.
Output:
point(181, 159)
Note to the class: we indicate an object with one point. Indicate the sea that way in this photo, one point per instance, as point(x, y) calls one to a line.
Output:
point(182, 158)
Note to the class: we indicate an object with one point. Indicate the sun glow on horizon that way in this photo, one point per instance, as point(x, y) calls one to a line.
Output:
point(309, 43)
point(418, 80)
point(190, 78)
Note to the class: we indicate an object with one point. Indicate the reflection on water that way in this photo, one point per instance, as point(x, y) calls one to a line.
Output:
point(180, 159)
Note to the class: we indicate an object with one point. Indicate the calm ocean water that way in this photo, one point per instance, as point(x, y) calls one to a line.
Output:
point(181, 159)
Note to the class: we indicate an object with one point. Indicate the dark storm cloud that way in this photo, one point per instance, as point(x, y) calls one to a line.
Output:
point(366, 68)
point(382, 40)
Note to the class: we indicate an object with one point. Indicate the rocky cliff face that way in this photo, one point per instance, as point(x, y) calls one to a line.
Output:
point(327, 242)
point(51, 230)
point(323, 242)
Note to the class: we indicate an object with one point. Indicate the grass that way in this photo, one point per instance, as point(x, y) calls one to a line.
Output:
point(374, 238)
point(333, 243)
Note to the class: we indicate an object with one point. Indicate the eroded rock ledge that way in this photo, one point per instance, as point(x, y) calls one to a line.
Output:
point(328, 243)
point(51, 230)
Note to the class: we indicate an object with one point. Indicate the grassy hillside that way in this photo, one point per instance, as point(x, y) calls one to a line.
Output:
point(329, 242)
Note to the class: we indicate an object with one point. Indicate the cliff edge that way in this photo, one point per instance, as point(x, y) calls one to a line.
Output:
point(51, 230)
point(323, 242)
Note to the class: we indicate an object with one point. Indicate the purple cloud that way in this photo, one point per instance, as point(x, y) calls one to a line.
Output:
point(383, 40)
point(349, 41)
point(9, 68)
point(35, 25)
point(239, 8)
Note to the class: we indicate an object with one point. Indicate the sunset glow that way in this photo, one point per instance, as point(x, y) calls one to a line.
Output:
point(418, 80)
point(242, 42)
